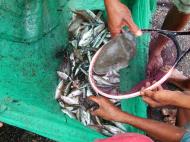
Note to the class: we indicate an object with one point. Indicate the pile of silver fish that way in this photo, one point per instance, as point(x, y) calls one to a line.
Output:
point(87, 33)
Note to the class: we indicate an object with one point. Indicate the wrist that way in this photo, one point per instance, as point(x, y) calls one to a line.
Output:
point(176, 97)
point(123, 117)
point(111, 3)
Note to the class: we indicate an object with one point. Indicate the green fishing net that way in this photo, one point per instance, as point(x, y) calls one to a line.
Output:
point(32, 34)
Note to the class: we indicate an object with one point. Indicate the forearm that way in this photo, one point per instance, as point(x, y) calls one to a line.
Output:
point(182, 99)
point(159, 130)
point(110, 2)
point(182, 83)
point(174, 21)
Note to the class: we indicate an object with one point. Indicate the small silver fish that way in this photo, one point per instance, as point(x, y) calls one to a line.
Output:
point(78, 114)
point(63, 75)
point(113, 130)
point(98, 17)
point(86, 38)
point(101, 81)
point(67, 88)
point(72, 58)
point(61, 104)
point(84, 71)
point(72, 109)
point(59, 90)
point(98, 120)
point(119, 125)
point(75, 93)
point(112, 73)
point(97, 45)
point(70, 101)
point(98, 29)
point(106, 133)
point(113, 80)
point(89, 92)
point(96, 127)
point(77, 70)
point(74, 43)
point(89, 56)
point(85, 117)
point(68, 113)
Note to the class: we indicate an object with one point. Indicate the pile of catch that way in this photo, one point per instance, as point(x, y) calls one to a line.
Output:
point(87, 33)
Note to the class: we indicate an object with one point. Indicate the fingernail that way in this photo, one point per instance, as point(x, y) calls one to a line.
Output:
point(138, 33)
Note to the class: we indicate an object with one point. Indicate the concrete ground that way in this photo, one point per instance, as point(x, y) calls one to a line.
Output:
point(13, 134)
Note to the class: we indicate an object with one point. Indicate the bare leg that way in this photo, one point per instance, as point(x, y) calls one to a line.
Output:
point(175, 21)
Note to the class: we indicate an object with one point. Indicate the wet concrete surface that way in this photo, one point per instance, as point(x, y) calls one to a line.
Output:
point(13, 134)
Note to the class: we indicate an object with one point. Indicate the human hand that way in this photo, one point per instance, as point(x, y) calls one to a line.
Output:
point(118, 17)
point(158, 97)
point(106, 109)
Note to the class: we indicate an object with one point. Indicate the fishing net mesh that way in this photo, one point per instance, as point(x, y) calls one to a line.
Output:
point(32, 34)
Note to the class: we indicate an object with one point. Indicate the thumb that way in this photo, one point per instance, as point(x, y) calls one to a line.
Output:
point(132, 26)
point(150, 101)
point(115, 32)
point(149, 93)
point(95, 99)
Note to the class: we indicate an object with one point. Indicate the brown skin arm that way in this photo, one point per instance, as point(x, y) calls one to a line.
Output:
point(166, 97)
point(183, 84)
point(174, 21)
point(119, 16)
point(161, 97)
point(179, 79)
point(159, 130)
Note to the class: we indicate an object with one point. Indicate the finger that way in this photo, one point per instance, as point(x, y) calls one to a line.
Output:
point(114, 34)
point(150, 101)
point(148, 93)
point(142, 89)
point(95, 112)
point(154, 82)
point(142, 93)
point(160, 87)
point(115, 31)
point(147, 84)
point(156, 89)
point(95, 99)
point(132, 26)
